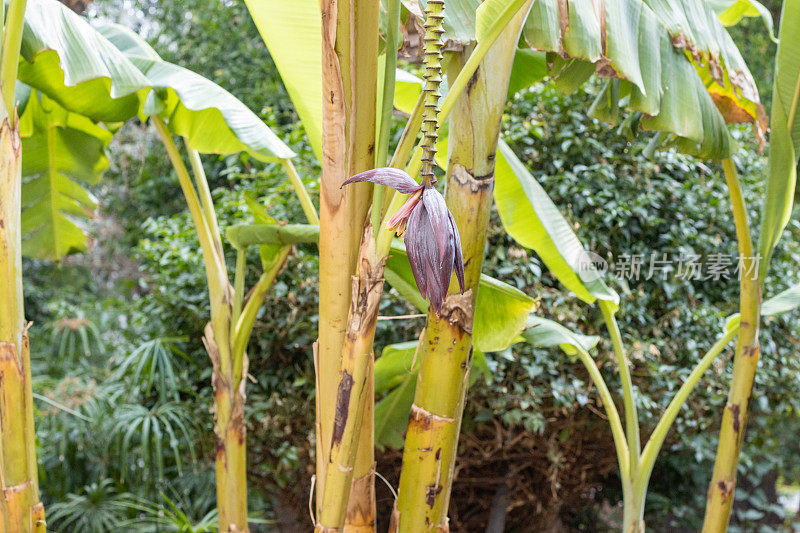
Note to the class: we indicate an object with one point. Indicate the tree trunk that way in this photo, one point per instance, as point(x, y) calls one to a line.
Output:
point(22, 509)
point(349, 67)
point(745, 363)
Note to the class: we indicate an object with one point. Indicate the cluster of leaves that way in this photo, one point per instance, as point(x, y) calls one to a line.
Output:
point(621, 202)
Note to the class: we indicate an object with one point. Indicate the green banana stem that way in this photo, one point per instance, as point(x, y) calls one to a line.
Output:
point(445, 350)
point(229, 428)
point(745, 364)
point(21, 508)
point(300, 190)
point(9, 63)
point(653, 445)
point(349, 73)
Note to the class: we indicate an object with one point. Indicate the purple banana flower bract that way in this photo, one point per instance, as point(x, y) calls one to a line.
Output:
point(391, 177)
point(431, 235)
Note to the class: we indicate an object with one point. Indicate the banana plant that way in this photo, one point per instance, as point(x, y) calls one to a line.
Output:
point(784, 151)
point(74, 102)
point(672, 68)
point(38, 47)
point(211, 120)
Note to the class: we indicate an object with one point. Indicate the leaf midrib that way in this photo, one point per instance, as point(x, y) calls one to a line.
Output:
point(52, 174)
point(793, 107)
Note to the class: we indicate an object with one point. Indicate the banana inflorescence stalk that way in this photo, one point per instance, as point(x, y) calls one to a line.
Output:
point(445, 350)
point(434, 29)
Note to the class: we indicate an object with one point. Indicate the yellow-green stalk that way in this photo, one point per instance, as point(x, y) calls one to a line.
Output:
point(225, 336)
point(230, 458)
point(354, 391)
point(349, 80)
point(446, 346)
point(21, 507)
point(745, 363)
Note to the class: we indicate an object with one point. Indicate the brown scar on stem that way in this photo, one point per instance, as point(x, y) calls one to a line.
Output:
point(736, 412)
point(457, 310)
point(431, 492)
point(473, 80)
point(751, 350)
point(725, 488)
point(475, 184)
point(342, 403)
point(424, 420)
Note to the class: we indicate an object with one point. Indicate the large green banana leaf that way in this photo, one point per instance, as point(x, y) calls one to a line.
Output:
point(545, 333)
point(783, 302)
point(292, 32)
point(784, 146)
point(63, 57)
point(730, 12)
point(210, 118)
point(61, 152)
point(676, 64)
point(472, 20)
point(534, 221)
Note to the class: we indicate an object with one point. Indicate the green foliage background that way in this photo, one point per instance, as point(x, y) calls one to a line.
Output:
point(124, 389)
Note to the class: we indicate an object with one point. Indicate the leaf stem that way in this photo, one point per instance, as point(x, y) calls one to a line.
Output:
point(745, 364)
point(216, 273)
point(238, 285)
point(387, 106)
point(301, 192)
point(389, 74)
point(614, 421)
point(629, 402)
point(12, 39)
point(206, 200)
point(244, 324)
point(656, 440)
